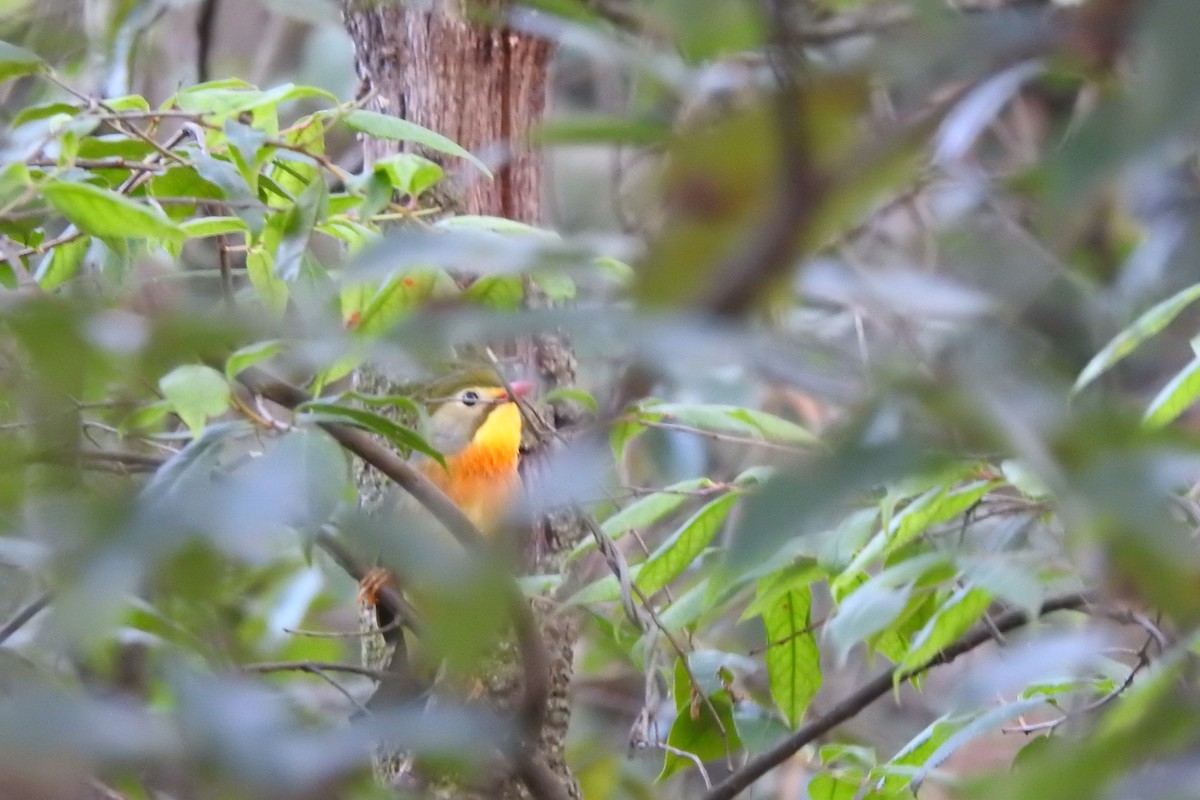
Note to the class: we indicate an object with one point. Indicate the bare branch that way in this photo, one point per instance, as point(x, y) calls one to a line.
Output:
point(878, 687)
point(24, 615)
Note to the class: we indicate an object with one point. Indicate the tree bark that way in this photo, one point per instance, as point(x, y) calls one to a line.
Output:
point(484, 87)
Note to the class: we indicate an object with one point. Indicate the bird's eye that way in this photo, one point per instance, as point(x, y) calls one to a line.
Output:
point(470, 398)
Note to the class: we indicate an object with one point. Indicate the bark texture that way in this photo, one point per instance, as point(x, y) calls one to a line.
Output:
point(484, 87)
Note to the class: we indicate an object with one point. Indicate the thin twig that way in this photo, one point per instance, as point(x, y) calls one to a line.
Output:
point(307, 666)
point(24, 615)
point(878, 687)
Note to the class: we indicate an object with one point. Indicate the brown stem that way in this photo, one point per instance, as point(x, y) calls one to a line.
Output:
point(534, 663)
point(854, 704)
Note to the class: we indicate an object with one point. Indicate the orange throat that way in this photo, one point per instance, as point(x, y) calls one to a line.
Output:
point(482, 477)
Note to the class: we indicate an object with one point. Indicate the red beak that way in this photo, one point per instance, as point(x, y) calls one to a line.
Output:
point(521, 388)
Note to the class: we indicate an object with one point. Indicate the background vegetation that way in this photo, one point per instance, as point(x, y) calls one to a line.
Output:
point(884, 315)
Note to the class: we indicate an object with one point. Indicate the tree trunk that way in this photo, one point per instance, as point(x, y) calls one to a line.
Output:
point(484, 87)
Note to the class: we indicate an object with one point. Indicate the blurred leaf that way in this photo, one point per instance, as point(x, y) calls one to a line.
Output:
point(872, 608)
point(729, 419)
point(409, 173)
point(103, 213)
point(825, 786)
point(793, 661)
point(1128, 340)
point(17, 61)
point(583, 128)
point(272, 291)
point(62, 263)
point(297, 227)
point(384, 126)
point(985, 723)
point(1005, 581)
point(1176, 397)
point(801, 502)
point(1026, 481)
point(953, 618)
point(212, 226)
point(695, 729)
point(937, 505)
point(574, 394)
point(503, 292)
point(250, 355)
point(196, 393)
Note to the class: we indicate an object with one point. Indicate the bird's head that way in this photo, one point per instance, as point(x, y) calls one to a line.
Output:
point(476, 411)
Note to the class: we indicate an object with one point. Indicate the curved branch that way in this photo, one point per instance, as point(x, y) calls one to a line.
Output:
point(531, 711)
point(851, 706)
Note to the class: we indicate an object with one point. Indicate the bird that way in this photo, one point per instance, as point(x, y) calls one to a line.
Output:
point(478, 432)
point(477, 429)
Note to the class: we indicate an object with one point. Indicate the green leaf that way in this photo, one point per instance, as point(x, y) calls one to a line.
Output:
point(501, 292)
point(202, 227)
point(101, 212)
point(575, 394)
point(825, 786)
point(250, 355)
point(939, 504)
point(1174, 398)
point(271, 290)
point(17, 61)
point(1128, 340)
point(196, 393)
point(624, 431)
point(297, 227)
point(477, 222)
point(45, 111)
point(792, 658)
point(982, 725)
point(376, 423)
point(1025, 480)
point(899, 770)
point(696, 730)
point(146, 417)
point(409, 173)
point(669, 559)
point(957, 614)
point(677, 553)
point(398, 296)
point(62, 263)
point(645, 511)
point(384, 126)
point(870, 609)
point(735, 420)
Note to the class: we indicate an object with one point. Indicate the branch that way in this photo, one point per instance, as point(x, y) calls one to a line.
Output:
point(531, 711)
point(387, 596)
point(23, 616)
point(311, 666)
point(851, 706)
point(379, 456)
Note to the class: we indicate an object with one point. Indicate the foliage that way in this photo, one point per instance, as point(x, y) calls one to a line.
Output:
point(899, 428)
